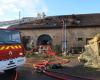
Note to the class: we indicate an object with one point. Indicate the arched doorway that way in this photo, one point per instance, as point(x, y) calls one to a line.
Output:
point(44, 40)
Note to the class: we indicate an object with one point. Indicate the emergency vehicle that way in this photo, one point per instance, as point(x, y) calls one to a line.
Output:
point(11, 50)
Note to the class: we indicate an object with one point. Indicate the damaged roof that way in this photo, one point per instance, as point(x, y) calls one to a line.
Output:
point(72, 21)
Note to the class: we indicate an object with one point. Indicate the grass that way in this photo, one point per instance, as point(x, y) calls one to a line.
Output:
point(52, 58)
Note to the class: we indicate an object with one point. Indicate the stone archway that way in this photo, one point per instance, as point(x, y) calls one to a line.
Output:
point(44, 39)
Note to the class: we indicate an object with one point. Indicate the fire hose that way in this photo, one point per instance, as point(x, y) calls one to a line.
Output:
point(61, 76)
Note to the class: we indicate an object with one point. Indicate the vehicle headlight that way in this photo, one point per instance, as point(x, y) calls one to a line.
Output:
point(21, 54)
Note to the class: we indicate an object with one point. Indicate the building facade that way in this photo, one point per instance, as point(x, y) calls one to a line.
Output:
point(52, 30)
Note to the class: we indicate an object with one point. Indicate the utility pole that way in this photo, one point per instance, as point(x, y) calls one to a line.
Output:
point(62, 36)
point(64, 40)
point(19, 17)
point(65, 43)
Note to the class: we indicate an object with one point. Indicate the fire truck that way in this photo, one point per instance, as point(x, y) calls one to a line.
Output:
point(11, 50)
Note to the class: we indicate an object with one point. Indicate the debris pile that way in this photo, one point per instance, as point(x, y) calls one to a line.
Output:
point(91, 55)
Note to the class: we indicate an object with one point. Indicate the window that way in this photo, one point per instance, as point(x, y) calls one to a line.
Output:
point(87, 40)
point(80, 39)
point(9, 36)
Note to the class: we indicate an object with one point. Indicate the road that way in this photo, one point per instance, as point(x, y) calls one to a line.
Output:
point(25, 74)
point(29, 74)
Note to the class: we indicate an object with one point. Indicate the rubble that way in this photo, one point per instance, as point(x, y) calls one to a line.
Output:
point(91, 55)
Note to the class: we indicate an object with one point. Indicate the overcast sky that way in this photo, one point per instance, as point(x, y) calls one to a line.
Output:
point(9, 9)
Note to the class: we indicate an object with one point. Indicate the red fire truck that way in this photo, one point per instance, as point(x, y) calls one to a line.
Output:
point(11, 50)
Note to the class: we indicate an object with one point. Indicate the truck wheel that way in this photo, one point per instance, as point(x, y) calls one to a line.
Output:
point(10, 70)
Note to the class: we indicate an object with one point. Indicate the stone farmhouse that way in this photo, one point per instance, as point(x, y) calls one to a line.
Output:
point(78, 28)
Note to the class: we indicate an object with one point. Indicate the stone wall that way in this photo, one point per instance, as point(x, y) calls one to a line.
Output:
point(76, 37)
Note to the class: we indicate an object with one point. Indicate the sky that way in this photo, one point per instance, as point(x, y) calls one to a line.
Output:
point(9, 9)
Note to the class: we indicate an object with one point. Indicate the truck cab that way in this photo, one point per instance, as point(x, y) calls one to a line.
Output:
point(11, 50)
